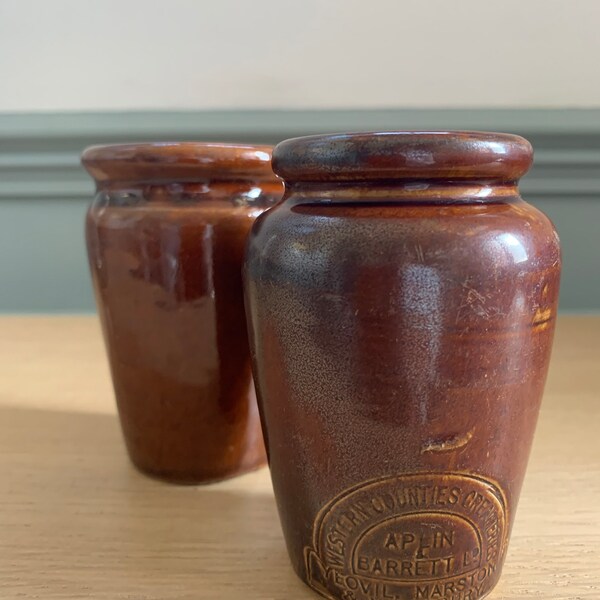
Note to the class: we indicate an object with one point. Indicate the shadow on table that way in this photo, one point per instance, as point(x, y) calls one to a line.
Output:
point(77, 516)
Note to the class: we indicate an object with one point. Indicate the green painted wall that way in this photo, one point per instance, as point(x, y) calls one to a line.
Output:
point(42, 256)
point(44, 192)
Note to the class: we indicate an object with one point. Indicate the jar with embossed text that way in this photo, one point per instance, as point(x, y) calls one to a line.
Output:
point(401, 302)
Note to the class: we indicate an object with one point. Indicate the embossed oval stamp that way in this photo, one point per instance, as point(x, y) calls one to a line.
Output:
point(427, 536)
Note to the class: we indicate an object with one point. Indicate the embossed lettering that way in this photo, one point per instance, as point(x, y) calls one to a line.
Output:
point(422, 536)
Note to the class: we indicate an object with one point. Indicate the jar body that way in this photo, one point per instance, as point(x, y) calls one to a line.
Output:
point(166, 267)
point(400, 352)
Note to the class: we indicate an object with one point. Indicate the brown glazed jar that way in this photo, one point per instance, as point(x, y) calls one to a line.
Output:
point(166, 236)
point(401, 301)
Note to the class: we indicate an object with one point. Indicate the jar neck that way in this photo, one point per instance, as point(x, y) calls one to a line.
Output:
point(238, 193)
point(450, 192)
point(191, 184)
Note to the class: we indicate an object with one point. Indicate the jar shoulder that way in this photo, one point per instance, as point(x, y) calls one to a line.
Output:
point(501, 234)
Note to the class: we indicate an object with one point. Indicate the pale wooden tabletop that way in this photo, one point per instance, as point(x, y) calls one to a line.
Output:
point(77, 521)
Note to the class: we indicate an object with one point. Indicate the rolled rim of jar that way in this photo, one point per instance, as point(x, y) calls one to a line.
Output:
point(156, 162)
point(403, 155)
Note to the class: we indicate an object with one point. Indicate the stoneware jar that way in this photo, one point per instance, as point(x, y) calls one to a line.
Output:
point(166, 235)
point(402, 301)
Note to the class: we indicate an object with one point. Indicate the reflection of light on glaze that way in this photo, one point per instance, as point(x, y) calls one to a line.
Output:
point(170, 248)
point(202, 188)
point(421, 303)
point(253, 213)
point(505, 247)
point(514, 246)
point(484, 192)
point(251, 197)
point(421, 290)
point(416, 186)
point(419, 157)
point(101, 201)
point(518, 304)
point(497, 147)
point(297, 252)
point(262, 155)
point(557, 239)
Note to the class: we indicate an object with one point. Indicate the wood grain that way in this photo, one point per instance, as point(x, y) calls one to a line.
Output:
point(77, 521)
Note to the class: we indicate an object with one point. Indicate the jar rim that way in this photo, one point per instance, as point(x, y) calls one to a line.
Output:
point(406, 155)
point(178, 161)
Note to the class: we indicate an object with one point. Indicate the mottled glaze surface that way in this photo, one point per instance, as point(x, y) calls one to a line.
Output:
point(401, 304)
point(166, 235)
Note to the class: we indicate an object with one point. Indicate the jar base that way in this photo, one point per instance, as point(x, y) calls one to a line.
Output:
point(185, 479)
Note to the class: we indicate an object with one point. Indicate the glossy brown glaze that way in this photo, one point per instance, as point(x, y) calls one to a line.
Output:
point(166, 235)
point(401, 304)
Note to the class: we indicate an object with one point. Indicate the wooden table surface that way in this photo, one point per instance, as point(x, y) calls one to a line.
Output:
point(77, 521)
